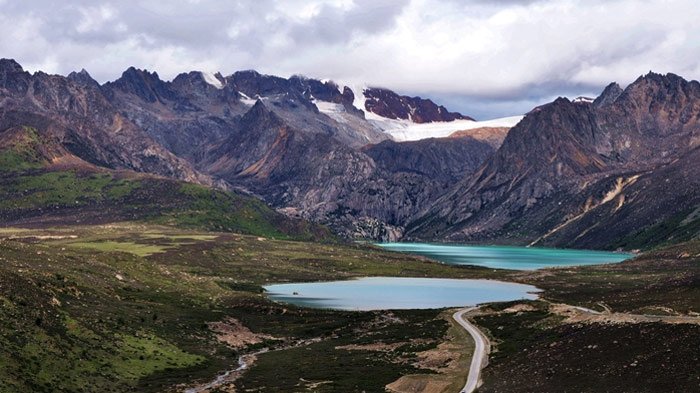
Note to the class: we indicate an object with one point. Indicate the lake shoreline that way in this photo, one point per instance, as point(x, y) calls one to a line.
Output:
point(398, 293)
point(506, 257)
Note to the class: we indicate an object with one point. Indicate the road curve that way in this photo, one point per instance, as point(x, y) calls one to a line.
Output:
point(480, 350)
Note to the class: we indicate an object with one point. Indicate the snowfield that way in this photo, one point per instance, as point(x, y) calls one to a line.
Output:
point(211, 79)
point(398, 129)
point(404, 130)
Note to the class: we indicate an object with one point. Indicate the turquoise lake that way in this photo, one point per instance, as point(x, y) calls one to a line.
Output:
point(507, 257)
point(384, 293)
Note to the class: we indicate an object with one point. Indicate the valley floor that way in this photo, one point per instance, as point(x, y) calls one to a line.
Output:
point(132, 307)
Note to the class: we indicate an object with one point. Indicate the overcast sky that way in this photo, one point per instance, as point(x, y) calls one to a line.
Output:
point(483, 58)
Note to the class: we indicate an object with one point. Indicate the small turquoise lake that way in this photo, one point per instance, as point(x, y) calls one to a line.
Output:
point(507, 257)
point(384, 293)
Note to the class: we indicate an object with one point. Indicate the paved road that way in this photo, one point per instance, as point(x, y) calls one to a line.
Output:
point(480, 350)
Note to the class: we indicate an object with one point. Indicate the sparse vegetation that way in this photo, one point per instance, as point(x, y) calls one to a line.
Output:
point(126, 306)
point(533, 352)
point(112, 307)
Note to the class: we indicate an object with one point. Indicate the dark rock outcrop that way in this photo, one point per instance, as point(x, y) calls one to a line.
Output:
point(387, 103)
point(442, 159)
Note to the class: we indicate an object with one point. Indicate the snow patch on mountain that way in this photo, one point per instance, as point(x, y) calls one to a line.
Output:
point(211, 79)
point(335, 111)
point(587, 100)
point(247, 100)
point(404, 130)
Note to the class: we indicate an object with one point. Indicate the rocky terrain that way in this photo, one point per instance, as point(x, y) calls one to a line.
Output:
point(390, 105)
point(582, 174)
point(612, 172)
point(85, 122)
point(299, 144)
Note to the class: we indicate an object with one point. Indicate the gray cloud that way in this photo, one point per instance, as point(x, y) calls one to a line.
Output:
point(484, 58)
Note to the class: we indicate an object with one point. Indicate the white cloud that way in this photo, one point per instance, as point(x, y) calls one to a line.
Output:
point(94, 18)
point(498, 52)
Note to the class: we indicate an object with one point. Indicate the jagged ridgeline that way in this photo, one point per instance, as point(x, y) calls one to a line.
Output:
point(619, 171)
point(303, 146)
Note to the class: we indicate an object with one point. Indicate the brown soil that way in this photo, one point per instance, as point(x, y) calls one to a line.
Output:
point(494, 136)
point(444, 358)
point(377, 347)
point(417, 384)
point(575, 315)
point(234, 334)
point(519, 308)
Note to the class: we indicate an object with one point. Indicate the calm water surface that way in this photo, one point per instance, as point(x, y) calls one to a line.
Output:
point(507, 257)
point(381, 293)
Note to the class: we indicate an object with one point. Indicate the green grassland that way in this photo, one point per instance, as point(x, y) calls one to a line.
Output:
point(21, 152)
point(109, 282)
point(126, 306)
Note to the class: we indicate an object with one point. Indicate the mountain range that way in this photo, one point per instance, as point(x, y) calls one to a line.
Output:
point(620, 171)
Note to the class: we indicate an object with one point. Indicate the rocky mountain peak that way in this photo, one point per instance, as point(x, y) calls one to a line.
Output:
point(199, 80)
point(609, 95)
point(386, 103)
point(144, 84)
point(253, 83)
point(260, 114)
point(83, 78)
point(663, 84)
point(9, 65)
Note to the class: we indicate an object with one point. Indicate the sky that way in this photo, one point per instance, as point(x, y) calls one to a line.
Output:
point(482, 58)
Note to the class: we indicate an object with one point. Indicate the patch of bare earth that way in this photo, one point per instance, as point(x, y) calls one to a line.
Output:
point(519, 308)
point(449, 362)
point(312, 386)
point(417, 384)
point(231, 332)
point(375, 347)
point(443, 359)
point(573, 314)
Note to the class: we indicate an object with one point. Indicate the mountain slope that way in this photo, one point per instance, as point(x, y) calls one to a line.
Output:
point(357, 192)
point(45, 185)
point(556, 168)
point(297, 143)
point(85, 123)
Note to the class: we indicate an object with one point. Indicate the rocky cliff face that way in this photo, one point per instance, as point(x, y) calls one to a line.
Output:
point(83, 120)
point(390, 105)
point(266, 134)
point(357, 193)
point(445, 160)
point(569, 165)
point(181, 115)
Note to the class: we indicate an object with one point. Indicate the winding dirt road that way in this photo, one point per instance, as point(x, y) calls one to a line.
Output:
point(481, 350)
